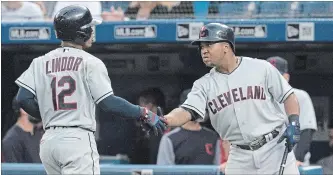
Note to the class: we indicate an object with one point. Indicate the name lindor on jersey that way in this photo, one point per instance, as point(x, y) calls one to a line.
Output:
point(63, 64)
point(234, 95)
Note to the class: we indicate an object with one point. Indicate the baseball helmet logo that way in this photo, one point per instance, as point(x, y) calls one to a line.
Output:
point(273, 62)
point(203, 32)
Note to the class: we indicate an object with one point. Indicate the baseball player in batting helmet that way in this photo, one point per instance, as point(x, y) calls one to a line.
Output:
point(241, 96)
point(63, 88)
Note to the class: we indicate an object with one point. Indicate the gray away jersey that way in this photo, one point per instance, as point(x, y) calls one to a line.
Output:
point(67, 82)
point(307, 116)
point(242, 105)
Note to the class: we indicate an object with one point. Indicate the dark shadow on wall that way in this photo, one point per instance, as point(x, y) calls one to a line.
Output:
point(8, 91)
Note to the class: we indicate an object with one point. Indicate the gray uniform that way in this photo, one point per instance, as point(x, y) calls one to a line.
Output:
point(68, 83)
point(243, 106)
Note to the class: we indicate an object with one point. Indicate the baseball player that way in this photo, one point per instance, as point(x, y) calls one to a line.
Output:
point(242, 96)
point(307, 119)
point(63, 87)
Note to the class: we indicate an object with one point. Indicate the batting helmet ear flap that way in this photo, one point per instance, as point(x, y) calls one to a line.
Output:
point(84, 35)
point(81, 35)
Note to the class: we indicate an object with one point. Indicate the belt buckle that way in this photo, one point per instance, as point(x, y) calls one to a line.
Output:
point(254, 145)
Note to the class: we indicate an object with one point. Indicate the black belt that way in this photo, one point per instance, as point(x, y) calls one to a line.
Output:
point(54, 127)
point(259, 142)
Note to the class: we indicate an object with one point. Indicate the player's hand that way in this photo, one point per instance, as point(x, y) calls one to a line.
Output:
point(292, 133)
point(222, 167)
point(157, 123)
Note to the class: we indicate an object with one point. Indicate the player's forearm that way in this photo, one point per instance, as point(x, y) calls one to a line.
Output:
point(120, 107)
point(27, 102)
point(291, 105)
point(178, 117)
point(226, 149)
point(304, 144)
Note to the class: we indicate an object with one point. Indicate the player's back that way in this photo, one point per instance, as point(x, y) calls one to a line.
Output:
point(62, 88)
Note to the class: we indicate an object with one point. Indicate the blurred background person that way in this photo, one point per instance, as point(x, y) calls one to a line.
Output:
point(146, 146)
point(145, 8)
point(21, 142)
point(225, 148)
point(20, 11)
point(114, 134)
point(42, 6)
point(307, 117)
point(189, 144)
point(114, 14)
point(95, 7)
point(114, 10)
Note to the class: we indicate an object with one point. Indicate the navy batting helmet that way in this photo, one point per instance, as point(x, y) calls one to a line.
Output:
point(17, 112)
point(73, 23)
point(216, 32)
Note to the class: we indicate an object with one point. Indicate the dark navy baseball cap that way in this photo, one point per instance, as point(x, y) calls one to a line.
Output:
point(280, 63)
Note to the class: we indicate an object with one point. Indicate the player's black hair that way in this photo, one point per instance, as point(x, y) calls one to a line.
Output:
point(154, 96)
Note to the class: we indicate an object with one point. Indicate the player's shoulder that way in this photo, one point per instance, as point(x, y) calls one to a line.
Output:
point(12, 134)
point(49, 54)
point(255, 61)
point(172, 132)
point(204, 79)
point(91, 58)
point(40, 58)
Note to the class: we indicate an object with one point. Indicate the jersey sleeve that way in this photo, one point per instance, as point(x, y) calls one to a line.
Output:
point(196, 100)
point(307, 117)
point(98, 80)
point(27, 78)
point(166, 155)
point(277, 85)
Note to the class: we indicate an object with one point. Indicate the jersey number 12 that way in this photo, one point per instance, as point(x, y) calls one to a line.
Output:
point(60, 98)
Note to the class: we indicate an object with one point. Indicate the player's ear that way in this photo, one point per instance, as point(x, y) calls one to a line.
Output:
point(225, 47)
point(229, 48)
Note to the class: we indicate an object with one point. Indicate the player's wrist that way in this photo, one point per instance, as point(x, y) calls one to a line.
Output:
point(143, 112)
point(293, 119)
